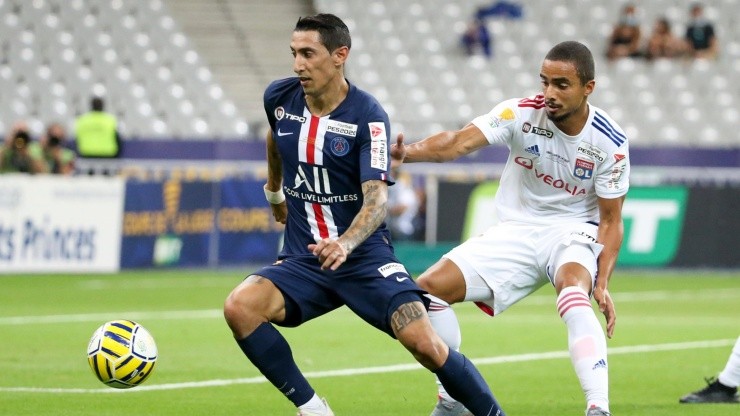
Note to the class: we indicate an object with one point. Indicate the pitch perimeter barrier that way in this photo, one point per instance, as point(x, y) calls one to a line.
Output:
point(101, 224)
point(693, 225)
point(197, 223)
point(59, 224)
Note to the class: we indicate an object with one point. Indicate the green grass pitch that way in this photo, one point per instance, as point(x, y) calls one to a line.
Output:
point(673, 328)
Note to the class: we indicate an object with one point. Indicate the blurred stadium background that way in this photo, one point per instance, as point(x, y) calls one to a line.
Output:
point(185, 79)
point(195, 69)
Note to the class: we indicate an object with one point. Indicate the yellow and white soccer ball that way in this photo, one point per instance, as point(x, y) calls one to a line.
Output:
point(122, 354)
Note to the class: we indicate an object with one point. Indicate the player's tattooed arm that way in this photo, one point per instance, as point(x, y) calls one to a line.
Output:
point(275, 179)
point(371, 215)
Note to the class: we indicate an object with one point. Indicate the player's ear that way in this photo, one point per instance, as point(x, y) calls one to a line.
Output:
point(340, 55)
point(590, 87)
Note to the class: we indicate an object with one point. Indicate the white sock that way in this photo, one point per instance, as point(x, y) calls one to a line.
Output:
point(730, 376)
point(314, 405)
point(444, 321)
point(587, 345)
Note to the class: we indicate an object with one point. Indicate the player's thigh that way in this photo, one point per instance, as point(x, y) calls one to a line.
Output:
point(500, 267)
point(444, 280)
point(306, 289)
point(258, 296)
point(374, 290)
point(573, 259)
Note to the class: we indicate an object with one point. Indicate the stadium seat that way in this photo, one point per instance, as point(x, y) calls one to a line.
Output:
point(104, 47)
point(640, 96)
point(113, 45)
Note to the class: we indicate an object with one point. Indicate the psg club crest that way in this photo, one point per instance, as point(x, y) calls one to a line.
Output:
point(339, 146)
point(583, 169)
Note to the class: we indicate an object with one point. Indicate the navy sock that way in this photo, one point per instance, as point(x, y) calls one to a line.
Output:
point(270, 353)
point(465, 384)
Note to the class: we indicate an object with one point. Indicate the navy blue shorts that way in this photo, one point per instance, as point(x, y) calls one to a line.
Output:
point(373, 287)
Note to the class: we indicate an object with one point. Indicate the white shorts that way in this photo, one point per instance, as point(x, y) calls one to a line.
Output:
point(510, 261)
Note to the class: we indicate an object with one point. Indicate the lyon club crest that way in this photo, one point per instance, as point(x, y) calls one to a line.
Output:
point(583, 169)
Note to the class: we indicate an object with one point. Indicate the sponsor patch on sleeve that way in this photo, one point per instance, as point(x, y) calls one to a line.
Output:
point(505, 117)
point(378, 146)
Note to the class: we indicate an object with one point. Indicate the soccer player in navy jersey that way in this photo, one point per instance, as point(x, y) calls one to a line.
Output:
point(558, 211)
point(328, 175)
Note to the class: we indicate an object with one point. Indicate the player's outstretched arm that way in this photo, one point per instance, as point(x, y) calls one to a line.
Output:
point(332, 253)
point(444, 146)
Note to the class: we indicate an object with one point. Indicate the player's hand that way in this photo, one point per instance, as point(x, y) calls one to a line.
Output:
point(606, 306)
point(398, 152)
point(280, 212)
point(330, 252)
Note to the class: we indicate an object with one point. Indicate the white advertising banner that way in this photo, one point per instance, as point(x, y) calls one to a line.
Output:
point(60, 224)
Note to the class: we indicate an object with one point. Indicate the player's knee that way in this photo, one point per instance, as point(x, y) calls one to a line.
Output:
point(241, 310)
point(429, 350)
point(234, 309)
point(444, 280)
point(431, 285)
point(439, 289)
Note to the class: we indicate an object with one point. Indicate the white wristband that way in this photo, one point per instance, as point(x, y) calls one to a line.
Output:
point(274, 197)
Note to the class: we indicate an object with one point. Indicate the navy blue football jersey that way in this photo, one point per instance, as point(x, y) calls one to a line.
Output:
point(325, 161)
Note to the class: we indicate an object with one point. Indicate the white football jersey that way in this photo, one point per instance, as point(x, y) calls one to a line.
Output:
point(551, 177)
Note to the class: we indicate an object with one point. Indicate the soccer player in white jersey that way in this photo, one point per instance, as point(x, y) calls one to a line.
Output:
point(723, 388)
point(327, 181)
point(558, 207)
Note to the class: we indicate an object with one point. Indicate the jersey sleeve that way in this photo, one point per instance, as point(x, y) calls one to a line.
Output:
point(268, 102)
point(375, 146)
point(612, 179)
point(499, 124)
point(271, 97)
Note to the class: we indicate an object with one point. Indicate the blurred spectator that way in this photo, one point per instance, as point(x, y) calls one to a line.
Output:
point(420, 221)
point(662, 42)
point(477, 35)
point(507, 9)
point(20, 153)
point(59, 159)
point(403, 206)
point(96, 131)
point(700, 38)
point(625, 38)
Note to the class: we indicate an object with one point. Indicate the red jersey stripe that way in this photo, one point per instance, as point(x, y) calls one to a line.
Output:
point(532, 105)
point(311, 142)
point(320, 220)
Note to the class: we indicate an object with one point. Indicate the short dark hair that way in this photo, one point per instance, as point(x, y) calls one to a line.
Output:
point(97, 104)
point(333, 33)
point(578, 54)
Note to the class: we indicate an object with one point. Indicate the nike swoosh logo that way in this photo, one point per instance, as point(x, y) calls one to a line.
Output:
point(281, 134)
point(401, 279)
